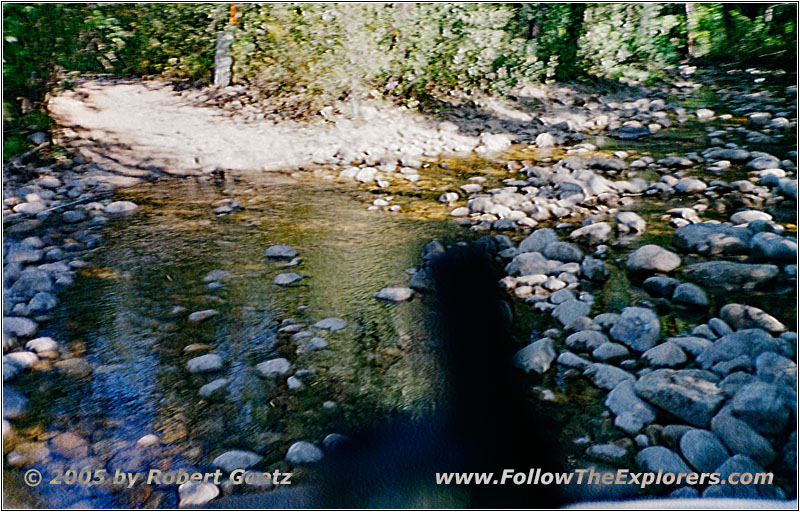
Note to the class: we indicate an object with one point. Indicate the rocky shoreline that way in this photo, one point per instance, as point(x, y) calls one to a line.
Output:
point(719, 395)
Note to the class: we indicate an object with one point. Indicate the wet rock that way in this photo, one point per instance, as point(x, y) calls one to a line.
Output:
point(709, 239)
point(201, 316)
point(772, 247)
point(121, 208)
point(762, 406)
point(30, 208)
point(607, 452)
point(740, 316)
point(730, 276)
point(280, 252)
point(687, 394)
point(316, 343)
point(195, 494)
point(687, 294)
point(661, 285)
point(593, 269)
point(22, 360)
point(740, 437)
point(303, 452)
point(703, 450)
point(69, 445)
point(592, 234)
point(395, 294)
point(538, 356)
point(31, 281)
point(26, 455)
point(653, 258)
point(44, 347)
point(236, 459)
point(287, 279)
point(666, 354)
point(204, 364)
point(330, 324)
point(638, 328)
point(623, 400)
point(15, 405)
point(76, 367)
point(215, 387)
point(274, 367)
point(606, 376)
point(659, 458)
point(217, 275)
point(42, 302)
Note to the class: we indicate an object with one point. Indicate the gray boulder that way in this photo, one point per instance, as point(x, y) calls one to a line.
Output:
point(606, 376)
point(563, 251)
point(762, 406)
point(287, 279)
point(622, 400)
point(204, 364)
point(586, 340)
point(772, 247)
point(538, 240)
point(688, 294)
point(303, 452)
point(687, 394)
point(280, 252)
point(710, 239)
point(569, 311)
point(121, 208)
point(740, 316)
point(653, 258)
point(667, 354)
point(274, 367)
point(741, 464)
point(395, 294)
point(740, 437)
point(730, 276)
point(747, 342)
point(236, 459)
point(538, 356)
point(629, 221)
point(592, 234)
point(703, 450)
point(638, 328)
point(593, 269)
point(659, 458)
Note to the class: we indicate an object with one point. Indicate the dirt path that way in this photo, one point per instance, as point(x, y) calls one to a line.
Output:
point(135, 129)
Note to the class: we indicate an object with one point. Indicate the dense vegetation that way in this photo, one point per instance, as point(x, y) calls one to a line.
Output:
point(316, 53)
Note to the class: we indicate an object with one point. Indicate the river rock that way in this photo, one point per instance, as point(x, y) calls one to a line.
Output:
point(569, 311)
point(638, 328)
point(280, 252)
point(740, 437)
point(775, 369)
point(213, 388)
point(121, 208)
point(709, 239)
point(15, 405)
point(653, 258)
point(316, 343)
point(610, 351)
point(570, 360)
point(75, 367)
point(740, 316)
point(236, 459)
point(195, 494)
point(703, 450)
point(762, 406)
point(27, 455)
point(43, 346)
point(748, 342)
point(629, 221)
point(201, 316)
point(593, 269)
point(690, 186)
point(330, 324)
point(747, 216)
point(42, 302)
point(666, 354)
point(69, 445)
point(274, 367)
point(31, 281)
point(592, 234)
point(607, 452)
point(563, 251)
point(586, 340)
point(538, 356)
point(691, 344)
point(623, 400)
point(217, 275)
point(687, 394)
point(730, 276)
point(659, 458)
point(530, 263)
point(606, 376)
point(538, 240)
point(204, 364)
point(303, 452)
point(395, 294)
point(741, 464)
point(287, 279)
point(688, 294)
point(772, 247)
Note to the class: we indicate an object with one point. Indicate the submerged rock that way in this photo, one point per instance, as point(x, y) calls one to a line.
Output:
point(395, 294)
point(280, 252)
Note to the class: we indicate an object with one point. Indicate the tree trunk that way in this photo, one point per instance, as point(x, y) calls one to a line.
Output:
point(691, 27)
